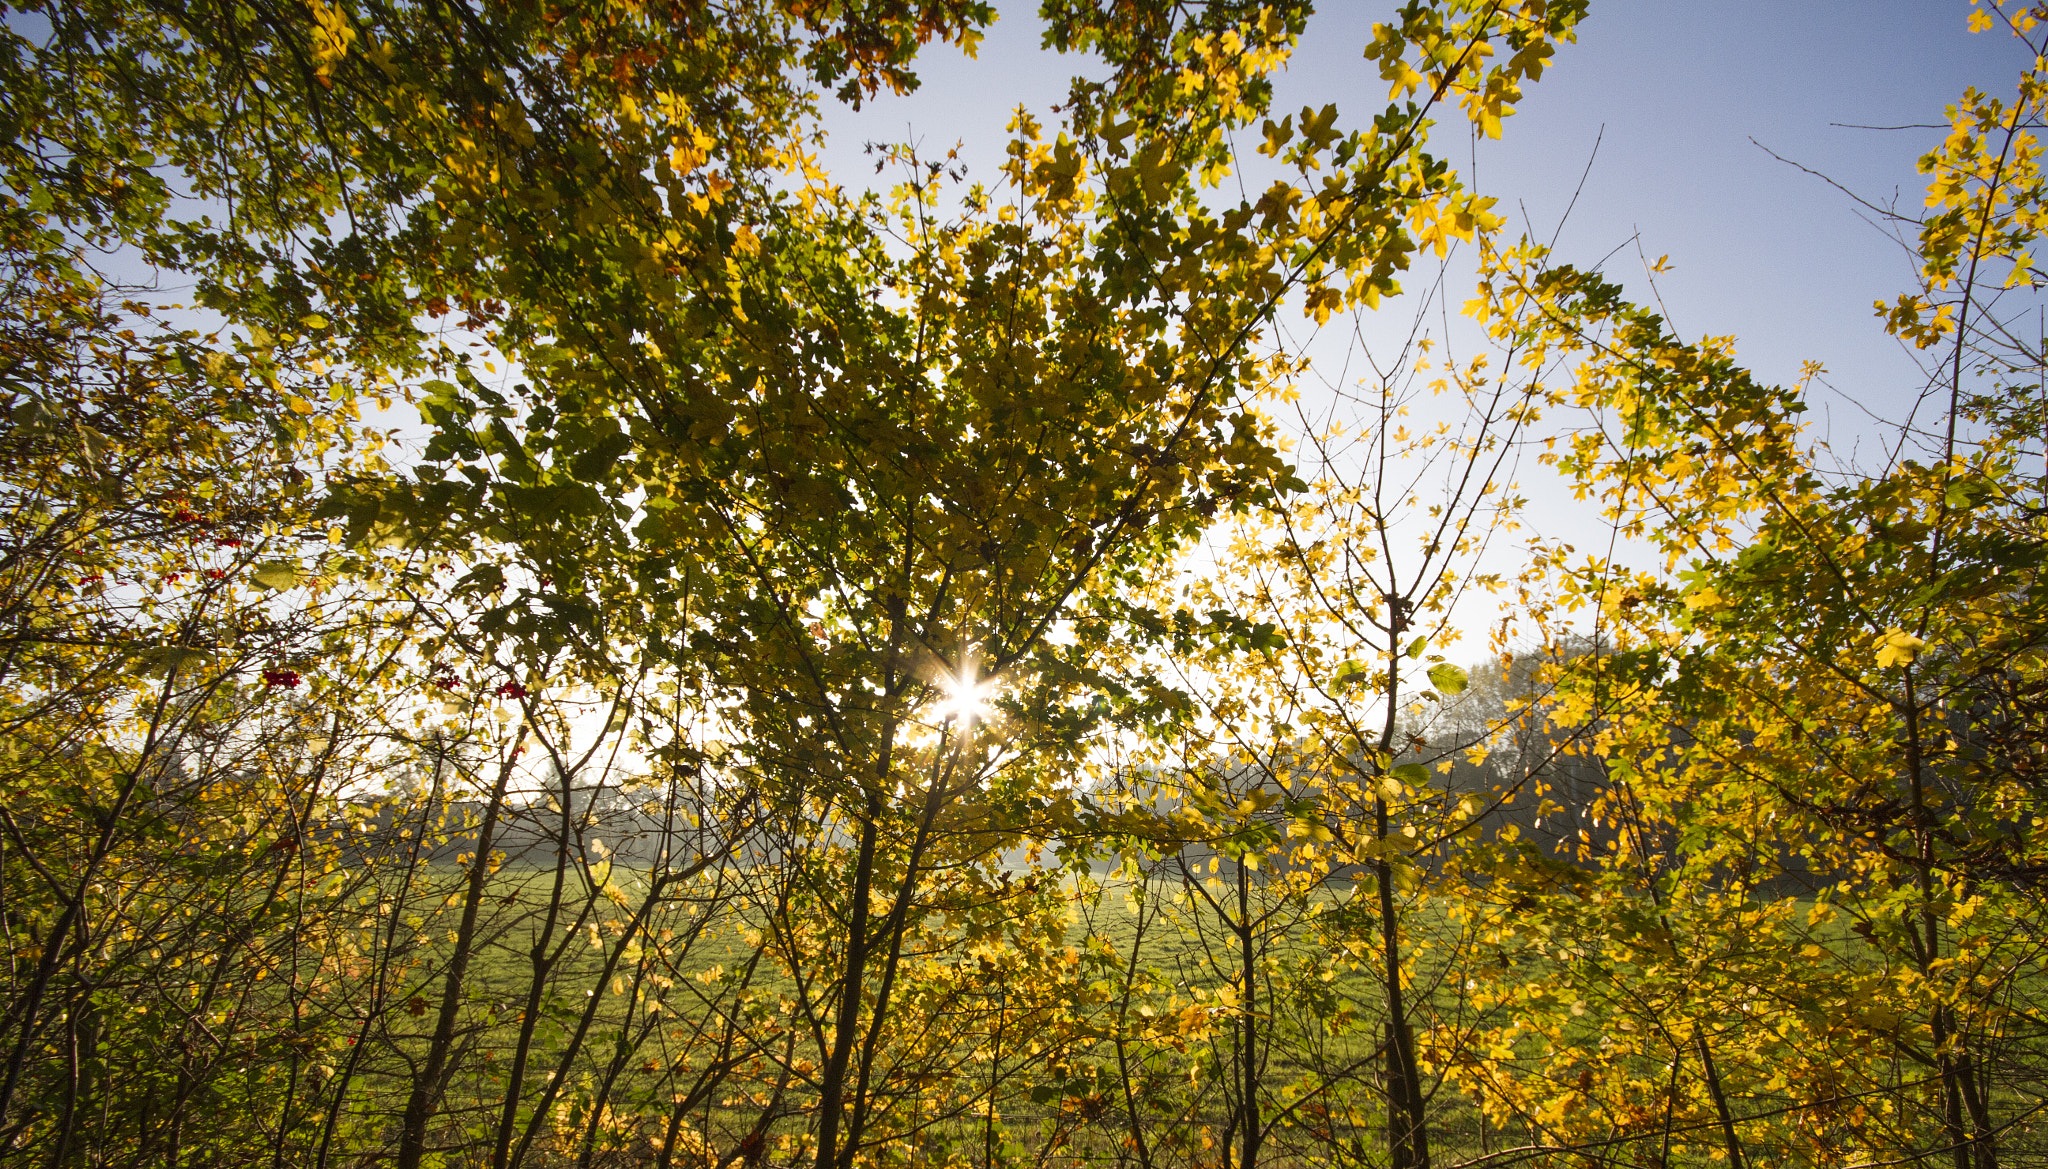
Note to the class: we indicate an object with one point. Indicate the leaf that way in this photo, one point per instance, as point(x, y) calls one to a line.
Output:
point(1416, 647)
point(1896, 647)
point(276, 574)
point(596, 463)
point(1448, 678)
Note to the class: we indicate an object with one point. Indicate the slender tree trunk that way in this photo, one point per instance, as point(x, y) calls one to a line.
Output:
point(1983, 1139)
point(1929, 947)
point(1248, 1054)
point(1730, 1141)
point(69, 935)
point(1407, 1128)
point(893, 930)
point(832, 1083)
point(1670, 1107)
point(708, 1081)
point(1123, 1066)
point(574, 1047)
point(622, 1051)
point(426, 1087)
point(359, 1043)
point(295, 864)
point(1407, 1125)
point(540, 965)
point(846, 1018)
point(67, 1116)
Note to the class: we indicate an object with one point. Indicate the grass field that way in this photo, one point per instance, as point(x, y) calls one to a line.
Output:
point(1321, 1014)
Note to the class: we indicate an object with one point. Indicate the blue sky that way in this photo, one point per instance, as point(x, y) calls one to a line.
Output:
point(1774, 256)
point(1673, 92)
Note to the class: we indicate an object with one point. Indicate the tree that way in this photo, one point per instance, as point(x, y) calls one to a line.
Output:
point(1832, 689)
point(855, 446)
point(164, 770)
point(812, 461)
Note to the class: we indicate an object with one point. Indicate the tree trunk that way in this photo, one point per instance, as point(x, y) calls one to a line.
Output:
point(1407, 1127)
point(832, 1084)
point(1729, 1140)
point(1248, 1053)
point(426, 1087)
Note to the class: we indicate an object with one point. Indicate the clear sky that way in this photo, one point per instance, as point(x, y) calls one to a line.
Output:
point(1674, 92)
point(1774, 256)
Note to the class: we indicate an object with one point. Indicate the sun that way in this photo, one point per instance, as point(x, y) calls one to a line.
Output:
point(967, 698)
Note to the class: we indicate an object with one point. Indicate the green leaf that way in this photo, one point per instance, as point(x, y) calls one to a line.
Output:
point(595, 463)
point(1411, 773)
point(163, 660)
point(276, 574)
point(1416, 647)
point(1448, 678)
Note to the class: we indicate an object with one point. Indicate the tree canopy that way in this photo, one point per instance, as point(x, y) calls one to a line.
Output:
point(581, 637)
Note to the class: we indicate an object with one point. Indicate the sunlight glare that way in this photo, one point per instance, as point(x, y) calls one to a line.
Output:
point(966, 698)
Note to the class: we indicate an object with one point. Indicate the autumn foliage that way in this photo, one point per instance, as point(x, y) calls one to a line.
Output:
point(577, 637)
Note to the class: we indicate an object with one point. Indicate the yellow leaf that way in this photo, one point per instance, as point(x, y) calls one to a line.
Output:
point(331, 37)
point(1896, 647)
